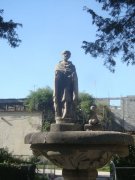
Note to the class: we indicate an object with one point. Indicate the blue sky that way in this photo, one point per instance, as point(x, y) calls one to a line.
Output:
point(49, 27)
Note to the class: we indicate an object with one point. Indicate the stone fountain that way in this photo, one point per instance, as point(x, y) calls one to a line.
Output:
point(78, 150)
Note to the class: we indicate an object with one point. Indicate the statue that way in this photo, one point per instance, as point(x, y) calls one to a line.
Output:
point(65, 90)
point(93, 118)
point(94, 123)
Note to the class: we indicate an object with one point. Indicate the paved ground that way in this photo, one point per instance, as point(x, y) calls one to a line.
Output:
point(57, 172)
point(103, 176)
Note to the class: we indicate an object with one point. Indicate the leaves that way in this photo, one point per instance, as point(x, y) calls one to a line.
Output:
point(40, 100)
point(7, 31)
point(115, 33)
point(127, 161)
point(85, 102)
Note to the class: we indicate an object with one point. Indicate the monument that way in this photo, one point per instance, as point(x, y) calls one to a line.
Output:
point(65, 90)
point(65, 95)
point(78, 152)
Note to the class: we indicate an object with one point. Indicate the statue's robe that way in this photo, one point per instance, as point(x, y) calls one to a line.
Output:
point(65, 90)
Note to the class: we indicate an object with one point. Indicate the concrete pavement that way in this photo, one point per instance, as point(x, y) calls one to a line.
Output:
point(58, 172)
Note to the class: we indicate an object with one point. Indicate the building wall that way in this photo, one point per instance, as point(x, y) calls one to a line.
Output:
point(124, 112)
point(128, 105)
point(13, 128)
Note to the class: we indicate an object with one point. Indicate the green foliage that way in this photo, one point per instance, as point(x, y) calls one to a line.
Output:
point(15, 168)
point(105, 116)
point(104, 113)
point(42, 100)
point(128, 161)
point(40, 177)
point(7, 31)
point(85, 101)
point(115, 33)
point(86, 97)
point(105, 168)
point(15, 171)
point(46, 126)
point(6, 157)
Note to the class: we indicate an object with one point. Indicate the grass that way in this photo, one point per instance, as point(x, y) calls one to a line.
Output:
point(105, 168)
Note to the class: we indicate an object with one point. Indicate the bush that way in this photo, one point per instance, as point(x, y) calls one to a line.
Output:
point(129, 161)
point(15, 168)
point(17, 172)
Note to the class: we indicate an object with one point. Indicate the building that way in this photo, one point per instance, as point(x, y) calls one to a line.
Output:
point(15, 123)
point(123, 109)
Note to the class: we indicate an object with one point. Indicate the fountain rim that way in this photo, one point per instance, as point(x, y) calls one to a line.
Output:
point(80, 137)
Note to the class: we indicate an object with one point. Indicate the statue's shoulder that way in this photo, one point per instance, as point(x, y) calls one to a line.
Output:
point(59, 66)
point(59, 63)
point(70, 62)
point(71, 65)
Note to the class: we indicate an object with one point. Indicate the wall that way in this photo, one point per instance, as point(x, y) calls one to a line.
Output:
point(124, 112)
point(13, 128)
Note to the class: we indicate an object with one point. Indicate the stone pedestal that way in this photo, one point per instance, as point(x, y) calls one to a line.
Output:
point(66, 127)
point(89, 174)
point(95, 127)
point(79, 153)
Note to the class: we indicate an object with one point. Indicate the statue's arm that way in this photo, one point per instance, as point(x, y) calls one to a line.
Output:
point(55, 92)
point(75, 87)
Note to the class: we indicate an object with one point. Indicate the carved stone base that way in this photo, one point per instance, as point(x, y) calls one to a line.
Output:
point(66, 127)
point(95, 127)
point(59, 120)
point(89, 174)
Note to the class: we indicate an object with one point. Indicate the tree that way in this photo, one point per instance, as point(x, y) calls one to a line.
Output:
point(128, 161)
point(105, 116)
point(85, 102)
point(115, 33)
point(7, 31)
point(42, 100)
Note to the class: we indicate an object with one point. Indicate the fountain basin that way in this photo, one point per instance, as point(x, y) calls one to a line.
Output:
point(79, 149)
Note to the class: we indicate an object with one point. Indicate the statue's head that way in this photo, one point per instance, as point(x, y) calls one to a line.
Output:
point(93, 107)
point(66, 55)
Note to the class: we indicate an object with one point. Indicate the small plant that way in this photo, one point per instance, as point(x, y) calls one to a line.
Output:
point(127, 173)
point(16, 168)
point(46, 126)
point(6, 157)
point(127, 161)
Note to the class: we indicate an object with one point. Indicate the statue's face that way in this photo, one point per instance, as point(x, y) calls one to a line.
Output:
point(66, 55)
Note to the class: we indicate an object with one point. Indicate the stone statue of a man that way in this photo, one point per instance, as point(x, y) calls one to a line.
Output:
point(65, 90)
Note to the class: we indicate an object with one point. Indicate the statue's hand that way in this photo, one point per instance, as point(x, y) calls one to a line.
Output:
point(74, 100)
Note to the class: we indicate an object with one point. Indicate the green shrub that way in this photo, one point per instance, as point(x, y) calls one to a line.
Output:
point(129, 161)
point(15, 168)
point(17, 172)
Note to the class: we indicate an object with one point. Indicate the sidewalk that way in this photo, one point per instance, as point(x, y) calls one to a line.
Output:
point(103, 175)
point(58, 172)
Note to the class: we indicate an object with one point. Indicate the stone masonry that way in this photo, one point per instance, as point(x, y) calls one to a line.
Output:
point(13, 128)
point(124, 112)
